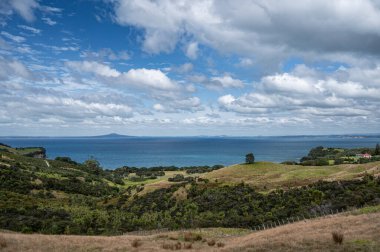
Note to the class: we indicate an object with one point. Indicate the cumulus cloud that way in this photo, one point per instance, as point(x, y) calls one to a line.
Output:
point(93, 67)
point(151, 78)
point(288, 83)
point(173, 106)
point(217, 82)
point(13, 68)
point(226, 81)
point(184, 68)
point(306, 95)
point(270, 30)
point(245, 62)
point(25, 8)
point(140, 78)
point(24, 104)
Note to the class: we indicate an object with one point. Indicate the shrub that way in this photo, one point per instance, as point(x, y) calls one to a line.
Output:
point(188, 246)
point(249, 158)
point(172, 246)
point(288, 162)
point(211, 242)
point(136, 243)
point(177, 246)
point(3, 242)
point(337, 237)
point(167, 246)
point(190, 237)
point(220, 244)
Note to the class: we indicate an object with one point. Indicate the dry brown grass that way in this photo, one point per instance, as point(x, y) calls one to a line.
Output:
point(361, 233)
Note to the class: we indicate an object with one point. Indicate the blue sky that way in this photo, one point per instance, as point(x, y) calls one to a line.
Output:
point(247, 67)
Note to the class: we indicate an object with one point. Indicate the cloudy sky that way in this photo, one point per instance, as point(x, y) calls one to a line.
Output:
point(238, 67)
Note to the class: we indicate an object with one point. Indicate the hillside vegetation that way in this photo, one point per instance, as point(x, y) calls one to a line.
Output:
point(64, 197)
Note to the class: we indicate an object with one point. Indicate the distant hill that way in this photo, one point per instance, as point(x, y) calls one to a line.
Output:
point(111, 135)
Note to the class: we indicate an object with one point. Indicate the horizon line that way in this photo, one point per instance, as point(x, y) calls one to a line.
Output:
point(122, 135)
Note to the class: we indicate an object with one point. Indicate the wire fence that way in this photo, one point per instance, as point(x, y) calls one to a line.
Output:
point(298, 218)
point(263, 226)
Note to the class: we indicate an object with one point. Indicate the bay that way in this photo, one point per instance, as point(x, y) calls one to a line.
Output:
point(113, 152)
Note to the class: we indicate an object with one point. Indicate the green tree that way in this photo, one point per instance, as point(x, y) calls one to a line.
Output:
point(93, 166)
point(377, 149)
point(249, 158)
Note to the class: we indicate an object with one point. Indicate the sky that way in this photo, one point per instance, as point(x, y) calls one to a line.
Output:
point(185, 68)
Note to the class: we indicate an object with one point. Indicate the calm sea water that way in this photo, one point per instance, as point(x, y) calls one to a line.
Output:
point(186, 151)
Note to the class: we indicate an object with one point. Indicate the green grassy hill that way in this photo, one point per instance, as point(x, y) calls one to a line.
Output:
point(266, 175)
point(29, 151)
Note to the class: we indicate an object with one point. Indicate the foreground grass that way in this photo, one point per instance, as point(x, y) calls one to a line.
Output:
point(361, 232)
point(266, 176)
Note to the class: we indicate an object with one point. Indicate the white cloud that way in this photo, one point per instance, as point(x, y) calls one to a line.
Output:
point(352, 89)
point(25, 8)
point(226, 81)
point(106, 54)
point(192, 50)
point(268, 30)
point(140, 77)
point(289, 83)
point(148, 78)
point(13, 68)
point(230, 103)
point(245, 62)
point(184, 68)
point(49, 21)
point(93, 67)
point(14, 38)
point(31, 29)
point(307, 93)
point(173, 106)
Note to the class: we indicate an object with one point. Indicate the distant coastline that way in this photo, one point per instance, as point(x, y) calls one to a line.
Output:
point(114, 150)
point(116, 135)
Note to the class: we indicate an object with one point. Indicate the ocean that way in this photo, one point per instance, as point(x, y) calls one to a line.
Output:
point(113, 152)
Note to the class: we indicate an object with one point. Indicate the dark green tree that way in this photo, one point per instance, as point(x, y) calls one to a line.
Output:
point(377, 149)
point(249, 158)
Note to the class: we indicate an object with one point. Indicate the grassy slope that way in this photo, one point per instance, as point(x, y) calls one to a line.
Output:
point(266, 175)
point(20, 151)
point(158, 183)
point(361, 230)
